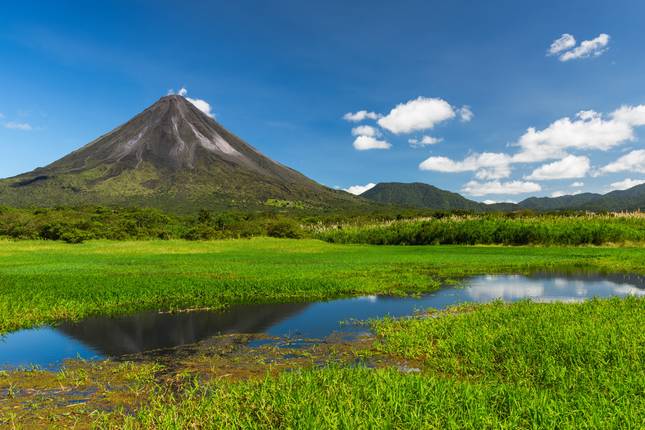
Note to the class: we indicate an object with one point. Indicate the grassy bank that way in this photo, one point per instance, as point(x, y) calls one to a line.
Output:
point(524, 365)
point(44, 282)
point(387, 227)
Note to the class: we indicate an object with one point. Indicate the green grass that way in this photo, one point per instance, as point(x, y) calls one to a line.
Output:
point(524, 365)
point(45, 282)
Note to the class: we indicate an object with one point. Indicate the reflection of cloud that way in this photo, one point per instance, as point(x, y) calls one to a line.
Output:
point(502, 289)
point(628, 290)
point(560, 289)
point(371, 299)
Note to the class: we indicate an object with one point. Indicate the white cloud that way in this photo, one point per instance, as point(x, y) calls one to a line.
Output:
point(578, 184)
point(633, 161)
point(487, 165)
point(625, 184)
point(17, 126)
point(1, 115)
point(496, 187)
point(364, 143)
point(359, 189)
point(419, 114)
point(558, 194)
point(564, 42)
point(567, 168)
point(588, 131)
point(587, 48)
point(465, 114)
point(200, 104)
point(632, 115)
point(365, 130)
point(492, 202)
point(361, 115)
point(425, 140)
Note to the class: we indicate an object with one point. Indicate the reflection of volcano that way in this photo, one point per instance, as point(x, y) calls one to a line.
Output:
point(147, 331)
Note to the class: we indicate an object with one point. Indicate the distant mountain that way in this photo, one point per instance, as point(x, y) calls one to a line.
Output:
point(558, 203)
point(621, 200)
point(419, 195)
point(174, 157)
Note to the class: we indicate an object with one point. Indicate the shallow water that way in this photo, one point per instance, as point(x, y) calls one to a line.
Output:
point(102, 337)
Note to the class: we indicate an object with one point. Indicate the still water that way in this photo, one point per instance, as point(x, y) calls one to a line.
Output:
point(102, 337)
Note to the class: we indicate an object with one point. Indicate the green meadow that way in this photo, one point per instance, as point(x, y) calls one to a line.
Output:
point(523, 365)
point(46, 281)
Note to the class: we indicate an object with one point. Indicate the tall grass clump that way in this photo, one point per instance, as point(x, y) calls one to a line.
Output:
point(493, 229)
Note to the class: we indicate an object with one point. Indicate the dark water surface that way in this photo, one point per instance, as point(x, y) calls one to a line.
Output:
point(102, 337)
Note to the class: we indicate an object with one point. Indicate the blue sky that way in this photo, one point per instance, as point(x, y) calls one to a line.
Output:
point(283, 74)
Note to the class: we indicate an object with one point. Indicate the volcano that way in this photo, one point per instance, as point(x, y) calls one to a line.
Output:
point(174, 157)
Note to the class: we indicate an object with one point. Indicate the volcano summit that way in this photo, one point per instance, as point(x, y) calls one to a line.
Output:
point(171, 156)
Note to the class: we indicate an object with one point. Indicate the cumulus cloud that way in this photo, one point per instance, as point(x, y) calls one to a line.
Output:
point(563, 43)
point(200, 104)
point(589, 130)
point(365, 130)
point(476, 188)
point(361, 115)
point(632, 115)
point(364, 143)
point(487, 165)
point(633, 161)
point(359, 189)
point(625, 184)
point(492, 202)
point(425, 140)
point(419, 114)
point(23, 126)
point(578, 184)
point(567, 168)
point(558, 194)
point(465, 114)
point(587, 48)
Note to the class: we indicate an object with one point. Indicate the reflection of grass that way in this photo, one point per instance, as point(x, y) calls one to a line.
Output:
point(523, 365)
point(46, 282)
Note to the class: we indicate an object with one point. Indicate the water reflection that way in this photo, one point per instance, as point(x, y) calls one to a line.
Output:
point(113, 337)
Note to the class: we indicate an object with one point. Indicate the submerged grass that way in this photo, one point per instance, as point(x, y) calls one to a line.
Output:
point(523, 365)
point(46, 282)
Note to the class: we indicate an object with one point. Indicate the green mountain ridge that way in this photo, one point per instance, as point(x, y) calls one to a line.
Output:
point(420, 195)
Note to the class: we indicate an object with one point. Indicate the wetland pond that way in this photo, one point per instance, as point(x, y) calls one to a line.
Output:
point(117, 337)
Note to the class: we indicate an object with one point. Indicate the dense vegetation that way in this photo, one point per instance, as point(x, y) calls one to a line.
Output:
point(395, 227)
point(44, 282)
point(495, 229)
point(524, 365)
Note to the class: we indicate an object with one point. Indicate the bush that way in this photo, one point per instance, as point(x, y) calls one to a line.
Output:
point(285, 228)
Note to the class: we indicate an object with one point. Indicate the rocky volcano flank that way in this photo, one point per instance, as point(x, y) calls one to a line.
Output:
point(171, 156)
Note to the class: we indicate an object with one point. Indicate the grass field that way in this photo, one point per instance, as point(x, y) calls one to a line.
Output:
point(524, 365)
point(45, 282)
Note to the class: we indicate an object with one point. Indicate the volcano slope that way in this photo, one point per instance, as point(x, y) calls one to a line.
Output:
point(174, 157)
